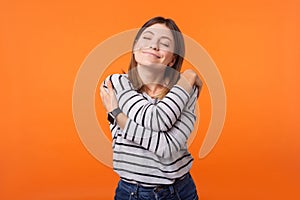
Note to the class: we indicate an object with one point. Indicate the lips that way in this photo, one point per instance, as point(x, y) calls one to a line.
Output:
point(152, 53)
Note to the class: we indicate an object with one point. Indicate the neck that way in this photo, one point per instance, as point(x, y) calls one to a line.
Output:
point(152, 77)
point(154, 91)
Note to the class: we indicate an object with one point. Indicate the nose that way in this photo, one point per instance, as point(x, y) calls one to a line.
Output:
point(154, 45)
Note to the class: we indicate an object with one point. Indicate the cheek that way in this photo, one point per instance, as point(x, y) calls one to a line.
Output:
point(141, 44)
point(138, 56)
point(168, 56)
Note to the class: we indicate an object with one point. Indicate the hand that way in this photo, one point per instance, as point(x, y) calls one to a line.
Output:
point(108, 97)
point(192, 78)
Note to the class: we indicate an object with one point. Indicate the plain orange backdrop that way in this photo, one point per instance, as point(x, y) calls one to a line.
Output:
point(255, 45)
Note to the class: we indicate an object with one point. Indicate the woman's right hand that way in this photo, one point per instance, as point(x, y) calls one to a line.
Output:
point(108, 97)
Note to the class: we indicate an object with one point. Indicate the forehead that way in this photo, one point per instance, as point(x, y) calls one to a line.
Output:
point(159, 30)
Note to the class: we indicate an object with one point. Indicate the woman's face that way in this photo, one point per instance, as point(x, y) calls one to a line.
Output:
point(155, 46)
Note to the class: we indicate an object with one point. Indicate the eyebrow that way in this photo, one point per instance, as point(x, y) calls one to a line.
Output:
point(148, 32)
point(166, 37)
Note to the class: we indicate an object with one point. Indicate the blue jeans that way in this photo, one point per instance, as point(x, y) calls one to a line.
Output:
point(183, 189)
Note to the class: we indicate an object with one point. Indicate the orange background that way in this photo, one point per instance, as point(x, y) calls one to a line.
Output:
point(255, 45)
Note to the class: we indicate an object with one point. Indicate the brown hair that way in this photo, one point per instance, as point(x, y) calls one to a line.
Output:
point(171, 73)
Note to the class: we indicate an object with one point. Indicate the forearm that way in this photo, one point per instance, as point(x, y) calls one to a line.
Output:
point(162, 143)
point(139, 109)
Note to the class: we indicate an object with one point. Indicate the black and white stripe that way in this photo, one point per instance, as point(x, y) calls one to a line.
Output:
point(152, 148)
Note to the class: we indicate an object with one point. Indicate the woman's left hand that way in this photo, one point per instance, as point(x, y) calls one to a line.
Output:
point(192, 78)
point(108, 97)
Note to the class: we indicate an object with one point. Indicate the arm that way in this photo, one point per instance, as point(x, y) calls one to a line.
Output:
point(162, 143)
point(165, 113)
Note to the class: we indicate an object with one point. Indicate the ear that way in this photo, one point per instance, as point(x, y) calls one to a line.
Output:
point(173, 61)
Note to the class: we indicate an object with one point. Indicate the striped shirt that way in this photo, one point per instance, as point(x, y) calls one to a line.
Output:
point(152, 147)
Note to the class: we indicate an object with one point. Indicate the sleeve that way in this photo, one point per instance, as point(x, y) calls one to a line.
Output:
point(164, 143)
point(160, 116)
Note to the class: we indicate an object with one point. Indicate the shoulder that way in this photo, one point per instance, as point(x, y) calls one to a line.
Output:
point(115, 78)
point(194, 93)
point(118, 80)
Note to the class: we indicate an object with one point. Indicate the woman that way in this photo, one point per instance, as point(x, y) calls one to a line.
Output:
point(152, 113)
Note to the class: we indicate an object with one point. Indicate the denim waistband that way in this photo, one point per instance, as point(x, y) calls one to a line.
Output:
point(180, 181)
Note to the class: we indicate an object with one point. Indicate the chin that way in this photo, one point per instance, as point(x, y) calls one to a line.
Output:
point(154, 67)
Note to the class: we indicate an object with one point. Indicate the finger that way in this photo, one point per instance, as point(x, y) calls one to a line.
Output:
point(102, 90)
point(110, 87)
point(200, 83)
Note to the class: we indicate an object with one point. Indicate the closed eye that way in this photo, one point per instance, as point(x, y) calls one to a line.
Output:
point(164, 44)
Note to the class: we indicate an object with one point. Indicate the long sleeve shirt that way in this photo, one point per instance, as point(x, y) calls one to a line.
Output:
point(152, 148)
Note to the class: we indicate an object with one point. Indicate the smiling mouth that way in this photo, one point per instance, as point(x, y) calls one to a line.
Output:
point(153, 54)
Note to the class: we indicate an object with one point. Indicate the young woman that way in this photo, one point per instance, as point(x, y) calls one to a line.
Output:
point(152, 113)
